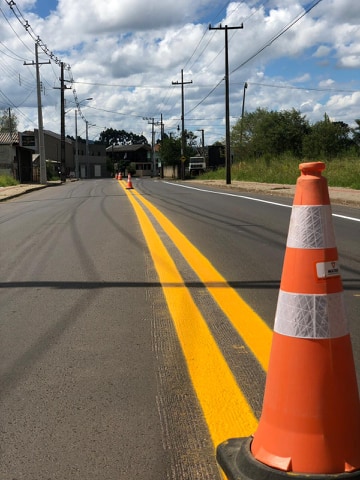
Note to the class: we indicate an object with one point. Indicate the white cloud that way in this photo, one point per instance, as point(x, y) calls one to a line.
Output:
point(127, 54)
point(327, 83)
point(322, 51)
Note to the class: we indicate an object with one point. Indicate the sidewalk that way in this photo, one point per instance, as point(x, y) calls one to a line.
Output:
point(18, 190)
point(338, 195)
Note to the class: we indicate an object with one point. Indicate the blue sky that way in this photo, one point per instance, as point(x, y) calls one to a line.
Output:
point(44, 7)
point(125, 55)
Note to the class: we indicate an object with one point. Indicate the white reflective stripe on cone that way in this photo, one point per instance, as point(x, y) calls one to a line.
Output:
point(311, 227)
point(311, 316)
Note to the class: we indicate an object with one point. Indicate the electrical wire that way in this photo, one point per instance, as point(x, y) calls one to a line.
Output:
point(278, 35)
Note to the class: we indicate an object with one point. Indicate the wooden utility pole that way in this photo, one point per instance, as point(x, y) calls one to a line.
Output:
point(63, 87)
point(152, 122)
point(42, 161)
point(183, 140)
point(227, 101)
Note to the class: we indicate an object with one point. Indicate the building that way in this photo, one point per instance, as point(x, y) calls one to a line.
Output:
point(20, 158)
point(92, 160)
point(134, 158)
point(15, 160)
point(52, 143)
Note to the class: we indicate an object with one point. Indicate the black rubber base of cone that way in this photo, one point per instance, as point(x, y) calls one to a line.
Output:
point(235, 458)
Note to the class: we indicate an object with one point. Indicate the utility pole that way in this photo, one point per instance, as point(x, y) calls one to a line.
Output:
point(43, 178)
point(10, 125)
point(183, 143)
point(161, 140)
point(162, 128)
point(87, 153)
point(227, 102)
point(151, 121)
point(87, 149)
point(202, 141)
point(63, 87)
point(76, 148)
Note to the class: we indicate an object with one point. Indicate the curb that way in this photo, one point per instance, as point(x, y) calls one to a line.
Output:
point(19, 190)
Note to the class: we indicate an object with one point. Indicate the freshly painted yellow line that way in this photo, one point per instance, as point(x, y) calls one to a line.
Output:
point(254, 331)
point(226, 410)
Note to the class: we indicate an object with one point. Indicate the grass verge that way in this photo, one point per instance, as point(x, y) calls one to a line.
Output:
point(285, 170)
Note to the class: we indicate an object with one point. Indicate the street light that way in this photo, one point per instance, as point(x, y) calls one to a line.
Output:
point(242, 114)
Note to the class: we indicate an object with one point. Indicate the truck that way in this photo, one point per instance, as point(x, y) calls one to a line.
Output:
point(216, 157)
point(196, 166)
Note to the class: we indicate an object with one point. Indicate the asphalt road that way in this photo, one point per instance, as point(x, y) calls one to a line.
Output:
point(244, 234)
point(94, 380)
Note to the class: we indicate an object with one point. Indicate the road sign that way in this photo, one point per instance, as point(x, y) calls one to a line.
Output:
point(183, 159)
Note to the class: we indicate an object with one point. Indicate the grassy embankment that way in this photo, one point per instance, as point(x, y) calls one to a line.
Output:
point(339, 172)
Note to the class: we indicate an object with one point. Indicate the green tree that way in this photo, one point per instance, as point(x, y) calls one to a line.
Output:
point(170, 150)
point(242, 134)
point(327, 139)
point(8, 122)
point(111, 136)
point(269, 133)
point(356, 135)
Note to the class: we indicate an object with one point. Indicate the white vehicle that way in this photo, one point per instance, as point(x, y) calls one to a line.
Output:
point(197, 165)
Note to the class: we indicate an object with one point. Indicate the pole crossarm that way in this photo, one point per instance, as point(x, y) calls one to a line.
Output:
point(220, 27)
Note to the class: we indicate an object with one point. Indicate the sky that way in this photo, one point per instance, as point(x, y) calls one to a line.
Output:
point(128, 57)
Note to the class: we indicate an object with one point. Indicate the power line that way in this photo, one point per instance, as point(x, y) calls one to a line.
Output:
point(263, 48)
point(208, 95)
point(292, 87)
point(278, 35)
point(14, 8)
point(7, 21)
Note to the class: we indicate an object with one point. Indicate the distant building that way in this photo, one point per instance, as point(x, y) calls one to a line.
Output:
point(125, 157)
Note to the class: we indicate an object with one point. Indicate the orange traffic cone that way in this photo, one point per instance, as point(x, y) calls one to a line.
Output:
point(120, 176)
point(310, 423)
point(129, 183)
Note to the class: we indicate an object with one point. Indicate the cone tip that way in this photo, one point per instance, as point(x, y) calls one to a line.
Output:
point(312, 168)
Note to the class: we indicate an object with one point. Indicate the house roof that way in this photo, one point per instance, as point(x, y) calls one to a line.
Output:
point(8, 139)
point(128, 148)
point(55, 135)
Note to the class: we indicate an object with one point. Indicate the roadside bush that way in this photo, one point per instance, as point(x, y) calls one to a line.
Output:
point(7, 181)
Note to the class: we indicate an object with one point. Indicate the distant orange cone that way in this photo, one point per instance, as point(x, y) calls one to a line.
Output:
point(129, 183)
point(310, 423)
point(120, 176)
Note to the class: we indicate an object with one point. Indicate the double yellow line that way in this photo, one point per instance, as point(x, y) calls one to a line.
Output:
point(225, 408)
